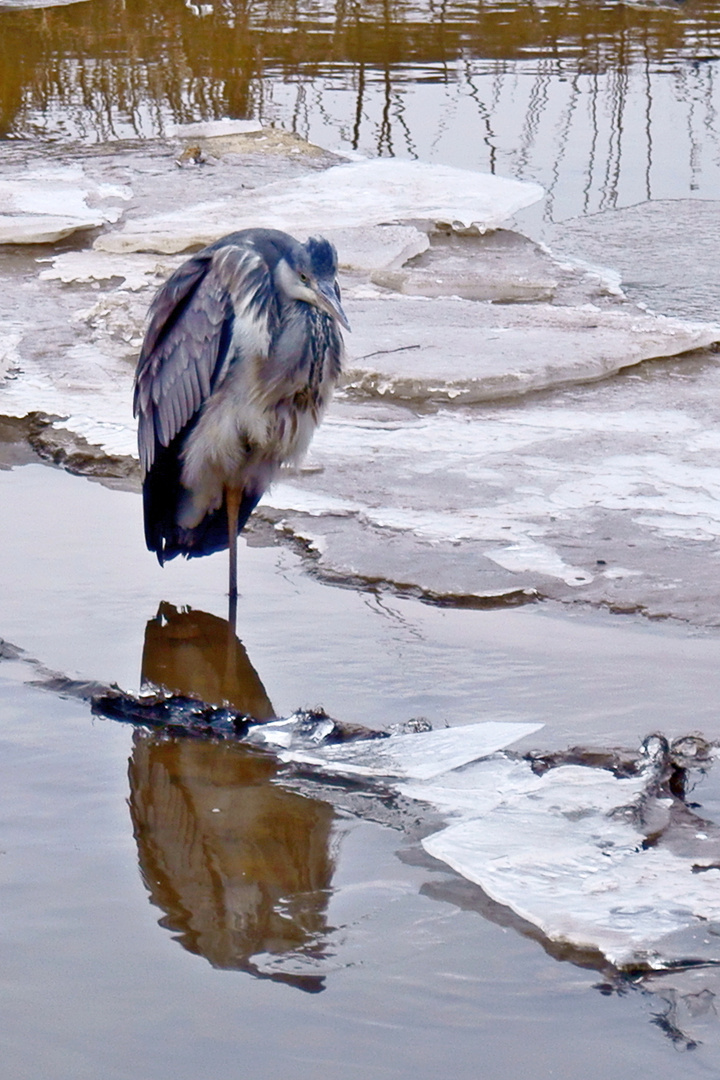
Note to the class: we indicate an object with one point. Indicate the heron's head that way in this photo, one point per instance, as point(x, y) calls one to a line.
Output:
point(309, 273)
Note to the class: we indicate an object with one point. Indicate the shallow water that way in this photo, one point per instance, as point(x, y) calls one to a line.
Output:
point(405, 975)
point(79, 598)
point(415, 983)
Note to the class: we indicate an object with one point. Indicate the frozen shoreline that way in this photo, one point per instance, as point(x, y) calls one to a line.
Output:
point(464, 457)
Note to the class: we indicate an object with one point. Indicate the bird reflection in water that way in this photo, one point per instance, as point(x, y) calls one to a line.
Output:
point(198, 654)
point(240, 865)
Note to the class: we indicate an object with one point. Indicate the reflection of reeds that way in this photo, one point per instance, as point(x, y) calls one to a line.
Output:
point(112, 61)
point(122, 68)
point(113, 68)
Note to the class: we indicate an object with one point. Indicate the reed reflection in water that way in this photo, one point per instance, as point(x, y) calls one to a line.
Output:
point(240, 866)
point(605, 104)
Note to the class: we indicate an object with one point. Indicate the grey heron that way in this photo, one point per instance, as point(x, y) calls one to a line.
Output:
point(240, 358)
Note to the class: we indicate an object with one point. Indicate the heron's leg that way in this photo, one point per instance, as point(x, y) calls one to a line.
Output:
point(232, 504)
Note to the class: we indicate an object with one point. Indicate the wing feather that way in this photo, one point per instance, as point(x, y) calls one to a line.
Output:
point(218, 307)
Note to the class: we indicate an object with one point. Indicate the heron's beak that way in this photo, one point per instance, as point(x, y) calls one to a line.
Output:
point(329, 302)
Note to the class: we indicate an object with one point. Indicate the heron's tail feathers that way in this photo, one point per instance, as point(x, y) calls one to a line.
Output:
point(209, 536)
point(162, 495)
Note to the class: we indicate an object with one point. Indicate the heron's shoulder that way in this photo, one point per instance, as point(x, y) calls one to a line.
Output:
point(270, 244)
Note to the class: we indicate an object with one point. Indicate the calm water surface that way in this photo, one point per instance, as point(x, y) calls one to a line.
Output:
point(176, 908)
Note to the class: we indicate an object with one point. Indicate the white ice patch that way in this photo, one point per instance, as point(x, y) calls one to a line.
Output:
point(418, 756)
point(115, 438)
point(135, 273)
point(9, 355)
point(90, 392)
point(211, 129)
point(562, 851)
point(288, 496)
point(538, 558)
point(360, 194)
point(48, 204)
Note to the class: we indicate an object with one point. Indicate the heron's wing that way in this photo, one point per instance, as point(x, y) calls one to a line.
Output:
point(219, 296)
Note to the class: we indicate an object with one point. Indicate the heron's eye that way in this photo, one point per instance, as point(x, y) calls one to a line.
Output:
point(303, 277)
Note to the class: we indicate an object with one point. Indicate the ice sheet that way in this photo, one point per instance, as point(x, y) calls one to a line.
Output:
point(416, 349)
point(50, 203)
point(567, 852)
point(357, 194)
point(418, 756)
point(618, 505)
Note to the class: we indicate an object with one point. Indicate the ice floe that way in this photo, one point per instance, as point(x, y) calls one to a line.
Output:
point(567, 851)
point(49, 203)
point(607, 859)
point(414, 349)
point(421, 755)
point(358, 194)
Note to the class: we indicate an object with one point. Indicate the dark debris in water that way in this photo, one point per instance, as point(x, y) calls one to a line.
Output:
point(182, 715)
point(671, 761)
point(176, 714)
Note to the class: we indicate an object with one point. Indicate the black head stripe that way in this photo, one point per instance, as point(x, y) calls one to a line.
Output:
point(323, 257)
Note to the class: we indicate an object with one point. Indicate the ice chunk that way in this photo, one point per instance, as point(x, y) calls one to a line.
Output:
point(135, 272)
point(502, 266)
point(417, 756)
point(212, 129)
point(47, 204)
point(566, 851)
point(358, 194)
point(377, 247)
point(415, 349)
